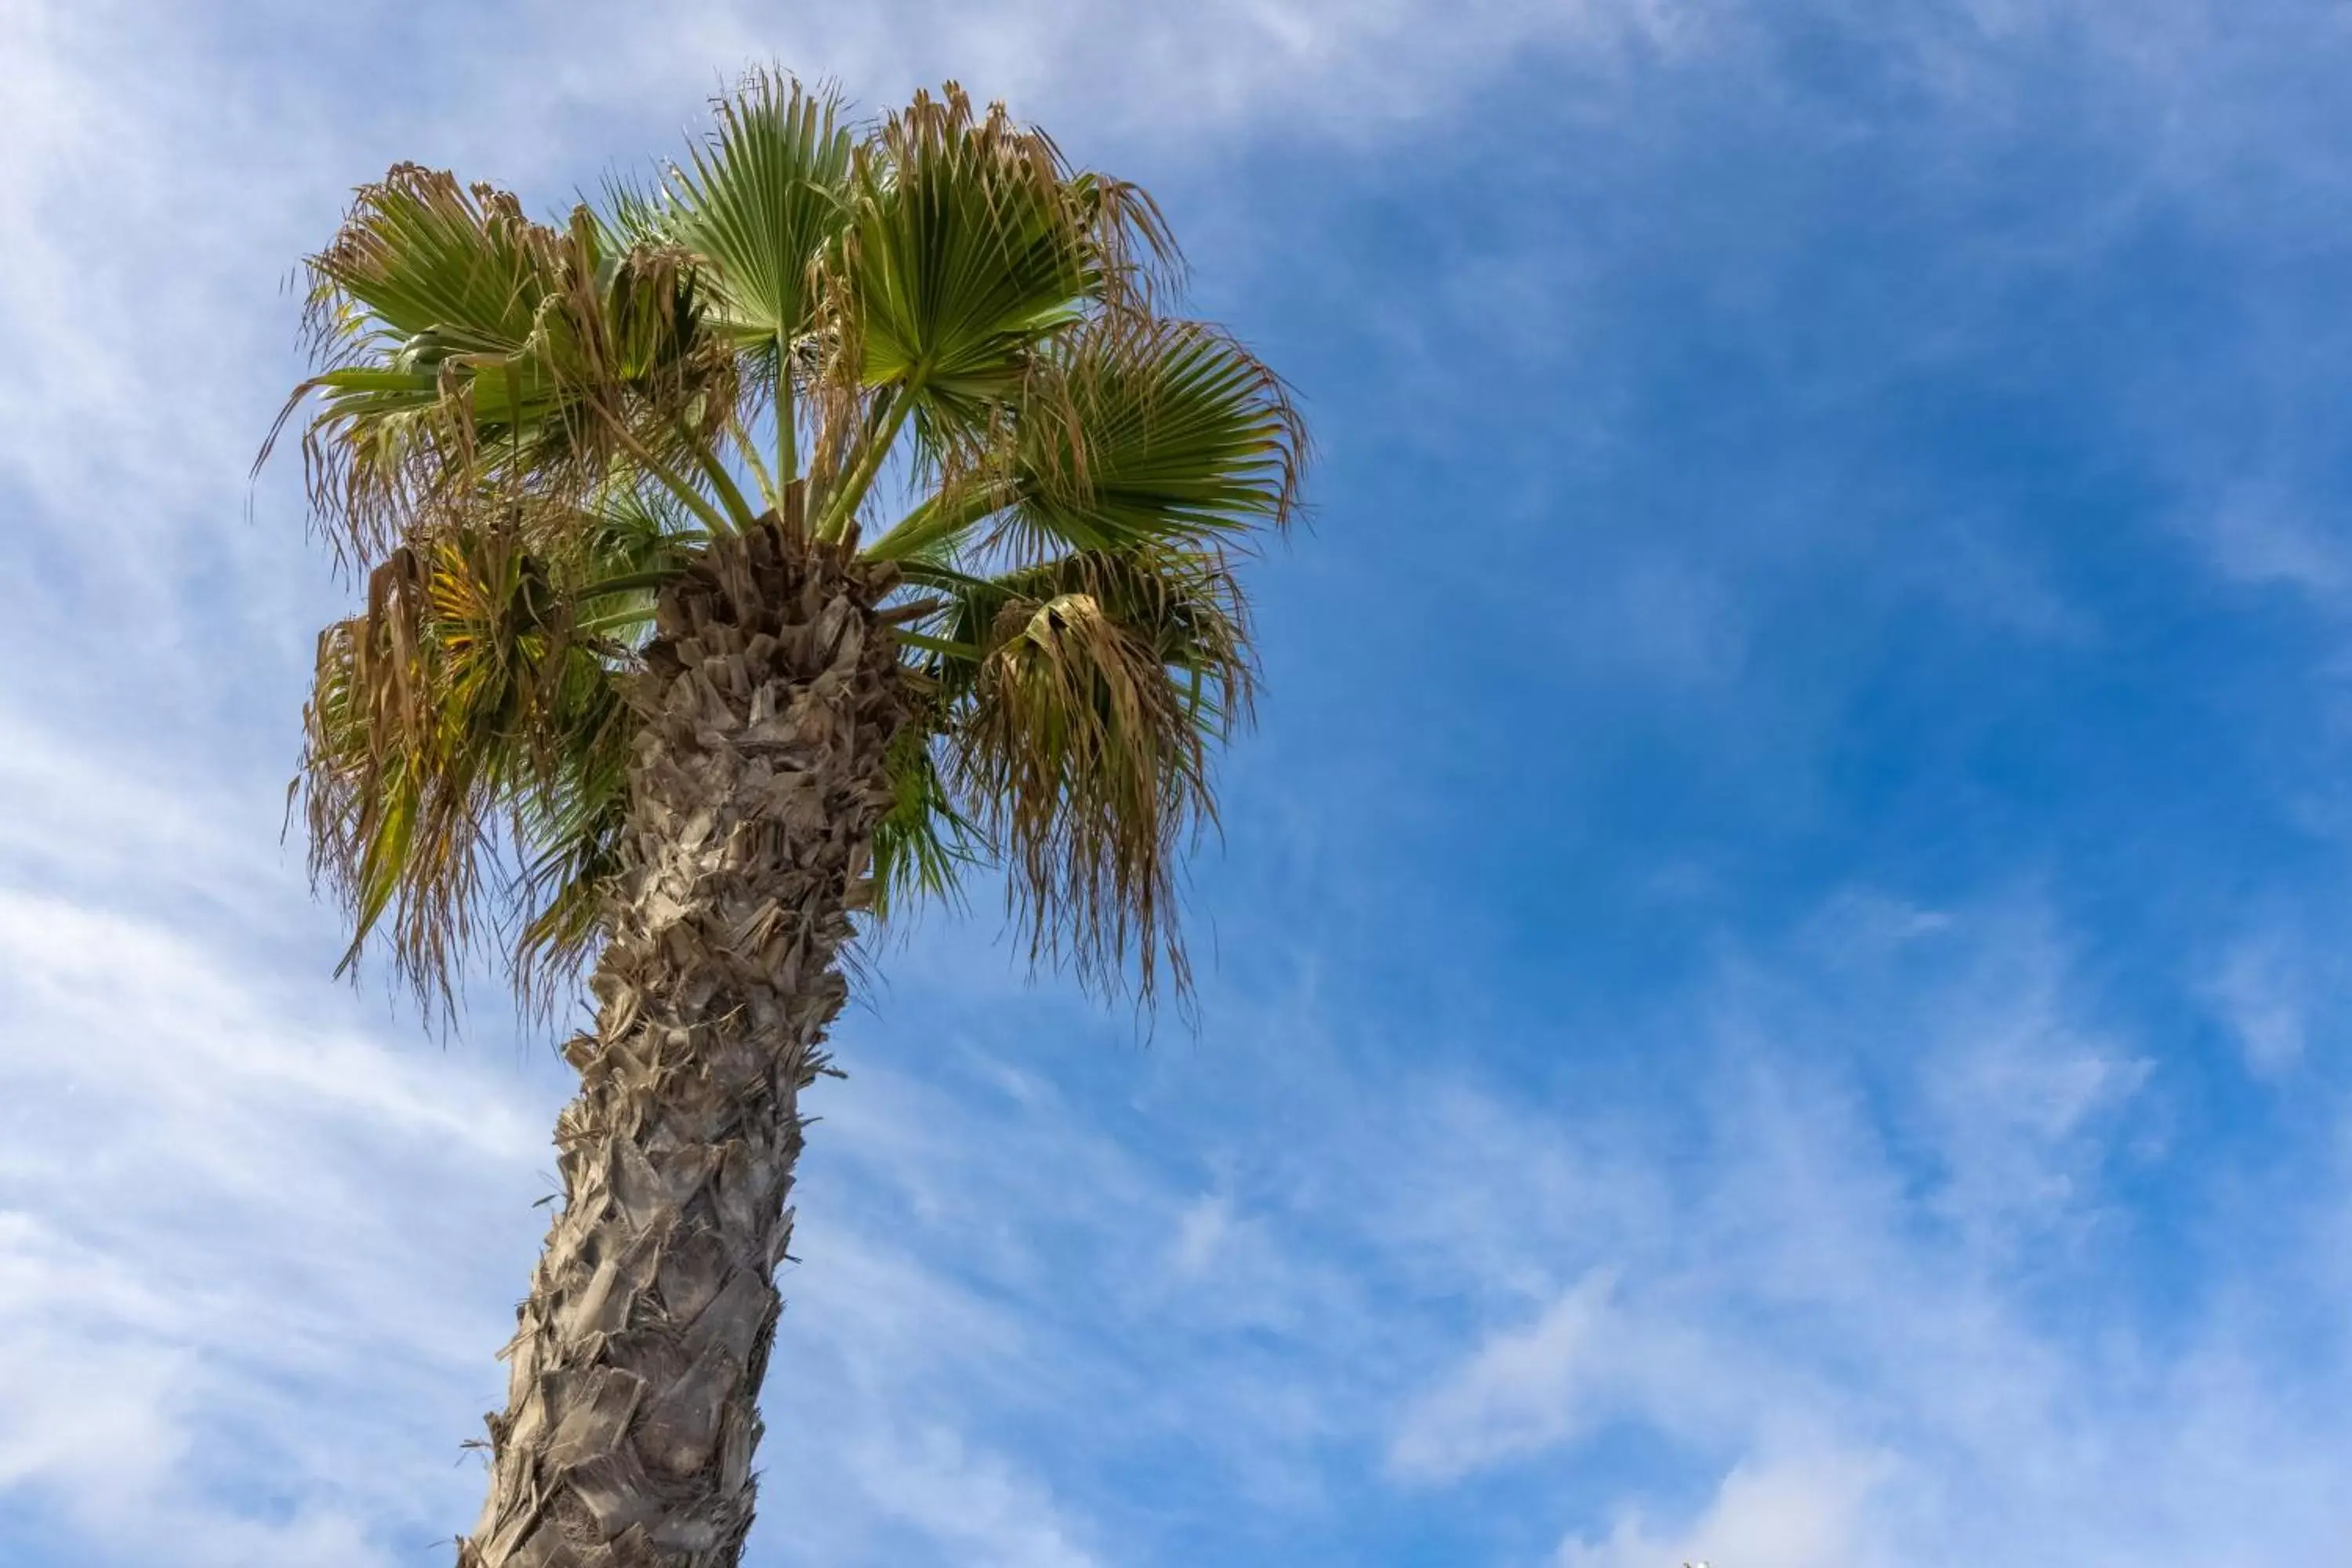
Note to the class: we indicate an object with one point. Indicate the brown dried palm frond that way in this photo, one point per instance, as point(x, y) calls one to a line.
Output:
point(469, 716)
point(1083, 698)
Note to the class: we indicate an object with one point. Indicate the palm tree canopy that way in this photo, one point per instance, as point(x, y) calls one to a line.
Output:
point(928, 337)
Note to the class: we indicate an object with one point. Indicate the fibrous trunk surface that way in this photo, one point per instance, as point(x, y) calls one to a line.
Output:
point(770, 698)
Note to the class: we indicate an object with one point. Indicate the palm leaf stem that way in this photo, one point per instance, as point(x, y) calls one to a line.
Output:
point(938, 645)
point(932, 574)
point(843, 505)
point(730, 494)
point(788, 457)
point(672, 481)
point(769, 489)
point(633, 582)
point(937, 518)
point(635, 615)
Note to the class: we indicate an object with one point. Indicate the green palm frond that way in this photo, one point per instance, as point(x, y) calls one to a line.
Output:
point(468, 714)
point(924, 844)
point(1143, 431)
point(763, 199)
point(423, 274)
point(965, 249)
point(425, 268)
point(414, 730)
point(1131, 431)
point(567, 835)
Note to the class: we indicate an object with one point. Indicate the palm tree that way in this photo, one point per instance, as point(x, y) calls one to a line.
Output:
point(640, 683)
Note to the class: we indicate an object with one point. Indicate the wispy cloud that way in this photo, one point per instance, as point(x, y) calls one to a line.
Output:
point(1800, 1512)
point(1525, 1390)
point(241, 1237)
point(2262, 989)
point(1839, 1318)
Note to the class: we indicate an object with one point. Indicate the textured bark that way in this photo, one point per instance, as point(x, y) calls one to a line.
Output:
point(769, 697)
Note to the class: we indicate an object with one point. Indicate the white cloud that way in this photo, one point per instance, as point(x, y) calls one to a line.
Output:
point(975, 1507)
point(1526, 1389)
point(73, 1399)
point(1329, 68)
point(231, 1247)
point(2014, 1090)
point(227, 1214)
point(1802, 1512)
point(1202, 1232)
point(2263, 989)
point(2263, 532)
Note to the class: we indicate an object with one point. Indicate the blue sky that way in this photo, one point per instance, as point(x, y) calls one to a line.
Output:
point(1774, 987)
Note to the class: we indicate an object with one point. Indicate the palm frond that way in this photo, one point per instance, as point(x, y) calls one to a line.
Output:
point(965, 248)
point(762, 198)
point(1140, 431)
point(1132, 431)
point(1089, 692)
point(972, 242)
point(410, 736)
point(428, 267)
point(924, 844)
point(465, 715)
point(424, 273)
point(567, 833)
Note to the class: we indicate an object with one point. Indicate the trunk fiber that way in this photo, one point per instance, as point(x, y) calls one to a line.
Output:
point(769, 700)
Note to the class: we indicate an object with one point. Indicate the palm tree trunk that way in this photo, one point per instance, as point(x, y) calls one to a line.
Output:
point(769, 699)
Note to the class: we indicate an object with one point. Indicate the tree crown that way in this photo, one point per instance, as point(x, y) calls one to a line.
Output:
point(928, 339)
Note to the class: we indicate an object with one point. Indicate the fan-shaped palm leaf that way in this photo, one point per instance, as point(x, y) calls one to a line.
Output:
point(762, 200)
